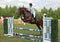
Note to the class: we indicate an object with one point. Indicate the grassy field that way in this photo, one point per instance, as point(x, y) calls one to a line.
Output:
point(15, 39)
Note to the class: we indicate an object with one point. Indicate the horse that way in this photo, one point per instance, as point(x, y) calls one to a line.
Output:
point(27, 17)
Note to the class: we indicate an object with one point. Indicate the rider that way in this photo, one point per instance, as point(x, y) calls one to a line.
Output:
point(31, 8)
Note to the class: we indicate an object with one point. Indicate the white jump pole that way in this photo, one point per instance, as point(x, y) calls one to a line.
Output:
point(46, 28)
point(10, 26)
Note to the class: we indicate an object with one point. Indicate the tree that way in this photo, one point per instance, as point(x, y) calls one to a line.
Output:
point(44, 10)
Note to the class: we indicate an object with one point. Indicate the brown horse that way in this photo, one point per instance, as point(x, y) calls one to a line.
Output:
point(28, 18)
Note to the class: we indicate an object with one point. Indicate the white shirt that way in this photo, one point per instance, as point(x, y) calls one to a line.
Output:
point(32, 11)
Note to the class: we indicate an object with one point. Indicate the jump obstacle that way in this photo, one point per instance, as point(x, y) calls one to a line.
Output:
point(46, 29)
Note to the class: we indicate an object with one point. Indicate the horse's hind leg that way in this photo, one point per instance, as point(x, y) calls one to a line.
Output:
point(39, 28)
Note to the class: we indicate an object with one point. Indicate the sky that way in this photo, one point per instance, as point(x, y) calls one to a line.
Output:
point(38, 4)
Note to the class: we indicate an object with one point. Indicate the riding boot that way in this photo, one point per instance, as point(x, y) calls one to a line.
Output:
point(35, 19)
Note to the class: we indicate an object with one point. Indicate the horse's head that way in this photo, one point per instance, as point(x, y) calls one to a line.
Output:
point(24, 13)
point(21, 10)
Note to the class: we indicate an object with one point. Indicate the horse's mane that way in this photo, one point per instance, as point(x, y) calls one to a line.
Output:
point(25, 9)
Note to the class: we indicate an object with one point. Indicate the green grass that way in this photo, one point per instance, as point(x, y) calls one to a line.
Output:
point(15, 39)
